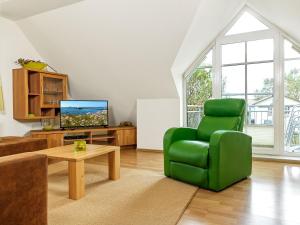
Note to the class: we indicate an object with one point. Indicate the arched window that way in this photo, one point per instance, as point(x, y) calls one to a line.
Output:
point(252, 59)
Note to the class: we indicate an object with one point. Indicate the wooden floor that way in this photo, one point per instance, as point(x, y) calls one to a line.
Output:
point(270, 196)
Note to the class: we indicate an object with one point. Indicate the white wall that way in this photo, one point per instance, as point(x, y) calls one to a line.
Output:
point(211, 18)
point(112, 49)
point(284, 14)
point(154, 117)
point(13, 45)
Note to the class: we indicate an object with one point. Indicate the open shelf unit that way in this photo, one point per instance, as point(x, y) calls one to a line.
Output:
point(37, 94)
point(92, 136)
point(109, 139)
point(120, 136)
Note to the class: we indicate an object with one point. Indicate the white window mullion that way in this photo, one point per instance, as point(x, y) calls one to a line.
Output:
point(252, 36)
point(278, 95)
point(246, 80)
point(184, 104)
point(217, 74)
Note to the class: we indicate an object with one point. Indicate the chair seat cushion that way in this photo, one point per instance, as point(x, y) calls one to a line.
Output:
point(190, 152)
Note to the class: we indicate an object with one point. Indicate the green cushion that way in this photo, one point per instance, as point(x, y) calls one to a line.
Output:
point(224, 107)
point(209, 125)
point(190, 174)
point(190, 152)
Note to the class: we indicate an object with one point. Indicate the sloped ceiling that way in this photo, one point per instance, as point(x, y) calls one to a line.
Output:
point(19, 9)
point(210, 19)
point(124, 50)
point(112, 49)
point(285, 14)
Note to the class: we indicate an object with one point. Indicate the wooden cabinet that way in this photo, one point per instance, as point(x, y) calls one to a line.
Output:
point(120, 136)
point(36, 94)
point(53, 140)
point(126, 137)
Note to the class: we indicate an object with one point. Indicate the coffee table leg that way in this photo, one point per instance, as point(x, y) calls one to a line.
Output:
point(114, 164)
point(76, 179)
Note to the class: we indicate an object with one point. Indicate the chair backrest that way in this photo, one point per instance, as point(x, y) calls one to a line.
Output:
point(221, 114)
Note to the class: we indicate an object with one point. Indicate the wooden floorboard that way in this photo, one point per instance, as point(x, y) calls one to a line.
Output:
point(270, 196)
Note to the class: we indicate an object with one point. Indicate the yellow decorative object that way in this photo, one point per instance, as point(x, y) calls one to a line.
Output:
point(48, 127)
point(79, 146)
point(31, 64)
point(35, 65)
point(31, 115)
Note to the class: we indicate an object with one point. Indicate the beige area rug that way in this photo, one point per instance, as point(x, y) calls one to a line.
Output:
point(140, 197)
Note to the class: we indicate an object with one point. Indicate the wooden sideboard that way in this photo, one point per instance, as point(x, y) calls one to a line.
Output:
point(120, 136)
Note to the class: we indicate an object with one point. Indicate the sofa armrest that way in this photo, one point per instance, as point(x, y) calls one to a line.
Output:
point(230, 158)
point(23, 189)
point(16, 145)
point(172, 135)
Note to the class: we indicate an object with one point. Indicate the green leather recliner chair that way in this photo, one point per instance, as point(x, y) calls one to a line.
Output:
point(215, 155)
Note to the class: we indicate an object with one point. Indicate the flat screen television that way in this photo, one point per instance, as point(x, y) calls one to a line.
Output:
point(83, 113)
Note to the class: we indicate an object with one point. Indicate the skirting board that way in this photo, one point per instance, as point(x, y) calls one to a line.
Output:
point(150, 150)
point(255, 157)
point(276, 158)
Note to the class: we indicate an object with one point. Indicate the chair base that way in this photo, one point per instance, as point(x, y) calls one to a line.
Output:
point(197, 176)
point(189, 174)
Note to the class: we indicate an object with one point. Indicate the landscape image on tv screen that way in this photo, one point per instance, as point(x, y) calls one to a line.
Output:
point(83, 113)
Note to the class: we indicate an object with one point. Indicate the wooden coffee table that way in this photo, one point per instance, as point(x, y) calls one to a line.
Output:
point(76, 164)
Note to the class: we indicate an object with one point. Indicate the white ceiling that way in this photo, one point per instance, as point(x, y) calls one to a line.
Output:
point(119, 50)
point(19, 9)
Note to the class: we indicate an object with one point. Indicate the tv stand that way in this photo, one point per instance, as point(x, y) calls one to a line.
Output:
point(119, 136)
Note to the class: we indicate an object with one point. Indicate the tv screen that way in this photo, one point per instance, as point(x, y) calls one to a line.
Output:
point(79, 113)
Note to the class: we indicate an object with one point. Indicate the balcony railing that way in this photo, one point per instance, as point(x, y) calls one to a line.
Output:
point(259, 116)
point(262, 115)
point(194, 115)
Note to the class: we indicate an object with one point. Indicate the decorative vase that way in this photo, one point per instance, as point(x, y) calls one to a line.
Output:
point(48, 124)
point(79, 146)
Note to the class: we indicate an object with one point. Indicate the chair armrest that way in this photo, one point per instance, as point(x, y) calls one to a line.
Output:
point(230, 158)
point(23, 189)
point(172, 135)
point(176, 134)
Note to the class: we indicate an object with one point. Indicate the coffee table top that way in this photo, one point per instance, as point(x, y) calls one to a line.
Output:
point(67, 152)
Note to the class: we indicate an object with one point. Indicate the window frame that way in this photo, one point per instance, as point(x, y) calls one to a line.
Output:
point(189, 72)
point(278, 37)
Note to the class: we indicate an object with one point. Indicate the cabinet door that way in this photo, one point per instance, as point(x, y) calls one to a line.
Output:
point(126, 137)
point(53, 140)
point(53, 90)
point(130, 137)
